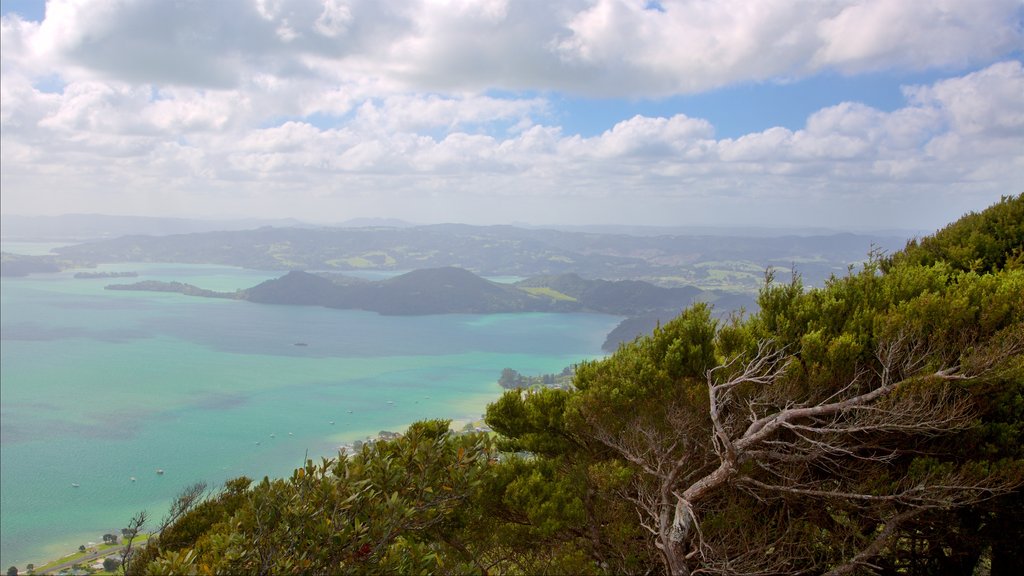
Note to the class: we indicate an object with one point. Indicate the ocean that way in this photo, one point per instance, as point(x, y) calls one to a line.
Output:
point(99, 387)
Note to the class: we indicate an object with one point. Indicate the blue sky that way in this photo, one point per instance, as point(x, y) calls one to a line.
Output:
point(849, 114)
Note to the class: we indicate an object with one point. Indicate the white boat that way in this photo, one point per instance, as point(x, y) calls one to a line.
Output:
point(74, 484)
point(159, 470)
point(132, 478)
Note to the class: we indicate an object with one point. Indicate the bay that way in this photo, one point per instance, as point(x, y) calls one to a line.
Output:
point(98, 387)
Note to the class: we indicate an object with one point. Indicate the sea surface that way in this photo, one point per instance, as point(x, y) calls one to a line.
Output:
point(99, 387)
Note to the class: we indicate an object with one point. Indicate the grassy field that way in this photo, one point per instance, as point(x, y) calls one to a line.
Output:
point(78, 555)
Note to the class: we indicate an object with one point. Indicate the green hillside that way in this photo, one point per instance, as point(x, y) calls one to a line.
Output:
point(873, 425)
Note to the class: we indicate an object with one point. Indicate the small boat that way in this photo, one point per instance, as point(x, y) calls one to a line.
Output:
point(300, 344)
point(332, 422)
point(132, 478)
point(290, 434)
point(273, 435)
point(160, 471)
point(74, 484)
point(257, 442)
point(391, 401)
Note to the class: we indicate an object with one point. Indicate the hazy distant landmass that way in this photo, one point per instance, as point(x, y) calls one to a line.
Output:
point(646, 278)
point(731, 263)
point(14, 265)
point(96, 226)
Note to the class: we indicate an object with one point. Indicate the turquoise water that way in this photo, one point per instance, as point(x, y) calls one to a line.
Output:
point(100, 386)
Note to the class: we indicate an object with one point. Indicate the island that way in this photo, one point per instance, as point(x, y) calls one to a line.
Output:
point(451, 290)
point(92, 275)
point(178, 287)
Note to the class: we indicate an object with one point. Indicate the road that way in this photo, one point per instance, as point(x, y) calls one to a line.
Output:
point(87, 559)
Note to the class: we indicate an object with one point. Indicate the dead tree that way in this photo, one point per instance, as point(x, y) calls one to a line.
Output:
point(129, 533)
point(788, 459)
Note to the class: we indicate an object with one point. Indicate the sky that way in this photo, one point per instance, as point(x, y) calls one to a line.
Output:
point(847, 114)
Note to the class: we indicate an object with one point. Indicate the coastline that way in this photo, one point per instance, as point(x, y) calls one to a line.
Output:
point(96, 551)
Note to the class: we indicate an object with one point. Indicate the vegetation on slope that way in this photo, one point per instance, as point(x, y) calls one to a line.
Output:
point(874, 425)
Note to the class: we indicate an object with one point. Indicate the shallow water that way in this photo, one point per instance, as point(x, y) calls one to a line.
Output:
point(100, 386)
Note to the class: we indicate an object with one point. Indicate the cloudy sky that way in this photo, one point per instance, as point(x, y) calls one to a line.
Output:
point(852, 114)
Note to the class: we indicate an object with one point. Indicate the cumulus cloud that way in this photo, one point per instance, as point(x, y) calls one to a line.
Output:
point(312, 108)
point(597, 47)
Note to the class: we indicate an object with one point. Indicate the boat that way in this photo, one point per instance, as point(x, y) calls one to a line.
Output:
point(160, 471)
point(74, 484)
point(132, 478)
point(332, 422)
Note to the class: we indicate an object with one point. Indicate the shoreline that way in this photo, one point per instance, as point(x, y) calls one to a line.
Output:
point(96, 551)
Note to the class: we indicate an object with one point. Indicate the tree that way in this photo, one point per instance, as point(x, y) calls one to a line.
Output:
point(873, 422)
point(394, 506)
point(110, 564)
point(110, 538)
point(771, 453)
point(129, 533)
point(12, 571)
point(510, 379)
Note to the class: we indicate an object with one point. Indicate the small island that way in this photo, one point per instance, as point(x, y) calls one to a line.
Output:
point(177, 287)
point(92, 275)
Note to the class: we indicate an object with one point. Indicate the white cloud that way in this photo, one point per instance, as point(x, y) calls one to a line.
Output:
point(989, 102)
point(596, 47)
point(308, 107)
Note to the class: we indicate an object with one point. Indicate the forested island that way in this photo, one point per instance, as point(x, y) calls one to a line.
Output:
point(871, 425)
point(176, 287)
point(457, 291)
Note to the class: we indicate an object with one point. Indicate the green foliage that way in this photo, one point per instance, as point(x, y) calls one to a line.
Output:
point(564, 487)
point(980, 242)
point(384, 508)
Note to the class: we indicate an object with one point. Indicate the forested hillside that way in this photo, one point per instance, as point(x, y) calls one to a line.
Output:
point(874, 425)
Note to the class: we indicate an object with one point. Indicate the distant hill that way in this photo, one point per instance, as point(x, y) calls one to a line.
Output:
point(626, 297)
point(13, 265)
point(433, 291)
point(98, 226)
point(732, 263)
point(453, 290)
